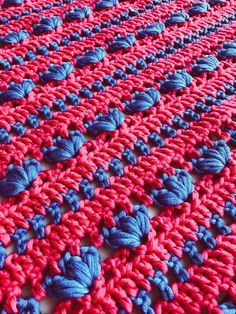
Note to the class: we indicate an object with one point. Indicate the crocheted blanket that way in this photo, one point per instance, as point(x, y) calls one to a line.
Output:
point(117, 156)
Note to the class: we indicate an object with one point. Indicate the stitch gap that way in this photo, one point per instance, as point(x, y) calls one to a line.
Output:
point(153, 211)
point(26, 290)
point(11, 248)
point(46, 166)
point(47, 305)
point(105, 253)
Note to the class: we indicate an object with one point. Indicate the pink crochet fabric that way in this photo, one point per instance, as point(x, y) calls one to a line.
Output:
point(117, 156)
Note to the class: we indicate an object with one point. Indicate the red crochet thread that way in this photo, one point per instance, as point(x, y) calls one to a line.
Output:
point(117, 156)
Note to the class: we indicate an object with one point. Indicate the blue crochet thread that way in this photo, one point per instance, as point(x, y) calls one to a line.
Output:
point(121, 42)
point(228, 308)
point(105, 4)
point(212, 160)
point(45, 112)
point(64, 149)
point(176, 189)
point(5, 65)
point(206, 237)
point(217, 221)
point(13, 37)
point(207, 64)
point(160, 281)
point(129, 156)
point(191, 250)
point(21, 238)
point(72, 200)
point(156, 139)
point(32, 121)
point(4, 136)
point(176, 81)
point(143, 100)
point(116, 166)
point(19, 178)
point(18, 128)
point(151, 29)
point(228, 51)
point(143, 301)
point(102, 177)
point(192, 115)
point(3, 255)
point(106, 122)
point(86, 188)
point(130, 230)
point(232, 136)
point(175, 264)
point(38, 225)
point(78, 13)
point(198, 7)
point(54, 211)
point(141, 146)
point(180, 123)
point(177, 18)
point(47, 24)
point(77, 274)
point(214, 2)
point(17, 91)
point(168, 131)
point(56, 72)
point(91, 56)
point(8, 3)
point(28, 306)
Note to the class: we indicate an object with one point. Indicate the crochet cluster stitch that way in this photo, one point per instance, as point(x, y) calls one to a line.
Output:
point(118, 156)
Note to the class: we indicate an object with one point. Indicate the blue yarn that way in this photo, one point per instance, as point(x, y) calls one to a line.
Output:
point(141, 64)
point(143, 301)
point(91, 56)
point(120, 74)
point(130, 230)
point(72, 200)
point(78, 13)
point(142, 147)
point(106, 122)
point(191, 115)
point(180, 123)
point(64, 149)
point(33, 121)
point(59, 105)
point(156, 139)
point(176, 189)
point(130, 69)
point(47, 24)
point(18, 128)
point(228, 51)
point(212, 160)
point(8, 3)
point(21, 237)
point(109, 80)
point(168, 131)
point(198, 7)
point(46, 112)
point(56, 72)
point(151, 29)
point(75, 37)
point(228, 308)
point(129, 156)
point(98, 87)
point(143, 100)
point(207, 64)
point(54, 46)
point(85, 92)
point(13, 37)
point(28, 306)
point(175, 264)
point(38, 225)
point(121, 42)
point(73, 99)
point(18, 60)
point(214, 2)
point(19, 178)
point(191, 250)
point(17, 91)
point(54, 211)
point(3, 255)
point(5, 65)
point(86, 188)
point(177, 17)
point(206, 237)
point(102, 177)
point(201, 107)
point(176, 81)
point(105, 4)
point(42, 50)
point(4, 136)
point(231, 132)
point(116, 166)
point(220, 224)
point(161, 282)
point(77, 274)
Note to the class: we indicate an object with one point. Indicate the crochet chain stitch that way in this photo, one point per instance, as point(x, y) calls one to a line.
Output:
point(117, 156)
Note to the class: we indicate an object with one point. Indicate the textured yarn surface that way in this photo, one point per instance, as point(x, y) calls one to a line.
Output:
point(118, 156)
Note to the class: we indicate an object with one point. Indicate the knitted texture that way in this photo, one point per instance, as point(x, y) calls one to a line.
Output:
point(117, 156)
